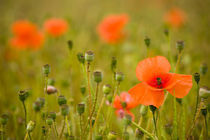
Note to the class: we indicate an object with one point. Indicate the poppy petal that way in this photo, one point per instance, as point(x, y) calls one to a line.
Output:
point(150, 67)
point(142, 94)
point(182, 86)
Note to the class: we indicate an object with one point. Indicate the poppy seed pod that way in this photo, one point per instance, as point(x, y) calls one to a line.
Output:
point(62, 100)
point(98, 137)
point(37, 106)
point(143, 110)
point(23, 95)
point(46, 69)
point(81, 108)
point(107, 89)
point(4, 119)
point(127, 119)
point(49, 121)
point(203, 69)
point(51, 82)
point(70, 44)
point(41, 101)
point(119, 76)
point(52, 115)
point(180, 46)
point(51, 90)
point(97, 75)
point(112, 136)
point(197, 77)
point(89, 56)
point(81, 58)
point(64, 109)
point(152, 108)
point(30, 127)
point(147, 41)
point(44, 130)
point(204, 92)
point(113, 64)
point(82, 89)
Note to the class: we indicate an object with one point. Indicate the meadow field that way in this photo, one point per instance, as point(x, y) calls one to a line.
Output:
point(104, 69)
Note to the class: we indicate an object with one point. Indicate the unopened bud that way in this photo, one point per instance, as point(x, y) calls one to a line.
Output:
point(97, 76)
point(62, 100)
point(81, 108)
point(37, 106)
point(64, 110)
point(107, 89)
point(81, 58)
point(51, 82)
point(113, 64)
point(46, 69)
point(197, 77)
point(119, 76)
point(4, 119)
point(180, 46)
point(204, 92)
point(49, 121)
point(89, 56)
point(52, 115)
point(147, 41)
point(23, 95)
point(70, 44)
point(82, 89)
point(203, 69)
point(30, 127)
point(51, 90)
point(112, 136)
point(143, 110)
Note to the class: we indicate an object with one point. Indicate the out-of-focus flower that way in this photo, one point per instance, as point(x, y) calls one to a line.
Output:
point(123, 104)
point(155, 78)
point(26, 35)
point(175, 17)
point(111, 28)
point(56, 27)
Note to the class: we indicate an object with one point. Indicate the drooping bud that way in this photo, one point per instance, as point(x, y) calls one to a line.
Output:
point(30, 126)
point(89, 56)
point(152, 108)
point(41, 101)
point(180, 46)
point(113, 64)
point(197, 77)
point(147, 41)
point(4, 119)
point(70, 44)
point(203, 69)
point(119, 76)
point(64, 109)
point(36, 106)
point(49, 121)
point(127, 119)
point(83, 89)
point(51, 90)
point(81, 58)
point(112, 136)
point(98, 137)
point(62, 100)
point(51, 82)
point(46, 69)
point(81, 108)
point(143, 110)
point(97, 76)
point(52, 115)
point(107, 89)
point(204, 92)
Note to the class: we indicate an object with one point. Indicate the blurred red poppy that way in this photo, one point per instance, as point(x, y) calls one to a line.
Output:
point(26, 35)
point(155, 79)
point(56, 27)
point(123, 104)
point(175, 17)
point(111, 28)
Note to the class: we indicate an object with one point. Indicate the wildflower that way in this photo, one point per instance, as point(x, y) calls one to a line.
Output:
point(55, 27)
point(123, 104)
point(155, 79)
point(111, 28)
point(175, 17)
point(26, 35)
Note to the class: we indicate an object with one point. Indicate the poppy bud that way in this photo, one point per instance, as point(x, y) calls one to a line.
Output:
point(49, 121)
point(81, 108)
point(64, 109)
point(62, 100)
point(124, 104)
point(143, 110)
point(152, 108)
point(204, 92)
point(113, 64)
point(51, 90)
point(52, 115)
point(166, 32)
point(82, 89)
point(180, 46)
point(139, 134)
point(41, 101)
point(98, 137)
point(89, 56)
point(44, 130)
point(97, 76)
point(30, 127)
point(37, 106)
point(109, 98)
point(70, 44)
point(126, 136)
point(46, 69)
point(106, 89)
point(51, 82)
point(197, 77)
point(204, 110)
point(112, 136)
point(203, 69)
point(119, 76)
point(4, 119)
point(81, 58)
point(127, 119)
point(23, 95)
point(147, 41)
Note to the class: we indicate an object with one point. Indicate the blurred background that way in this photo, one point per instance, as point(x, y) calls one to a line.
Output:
point(22, 69)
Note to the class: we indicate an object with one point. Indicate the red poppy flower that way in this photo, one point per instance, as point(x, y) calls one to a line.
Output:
point(56, 27)
point(111, 28)
point(123, 104)
point(175, 17)
point(155, 79)
point(26, 35)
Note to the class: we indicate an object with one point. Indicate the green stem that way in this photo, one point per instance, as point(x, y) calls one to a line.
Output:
point(177, 63)
point(197, 100)
point(99, 110)
point(80, 122)
point(2, 132)
point(55, 129)
point(26, 136)
point(206, 124)
point(175, 119)
point(68, 128)
point(144, 131)
point(62, 129)
point(154, 121)
point(25, 113)
point(183, 120)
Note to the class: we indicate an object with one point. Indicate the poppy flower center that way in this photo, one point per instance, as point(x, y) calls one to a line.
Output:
point(159, 81)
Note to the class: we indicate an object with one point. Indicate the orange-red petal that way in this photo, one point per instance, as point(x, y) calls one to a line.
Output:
point(150, 67)
point(124, 97)
point(180, 85)
point(142, 94)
